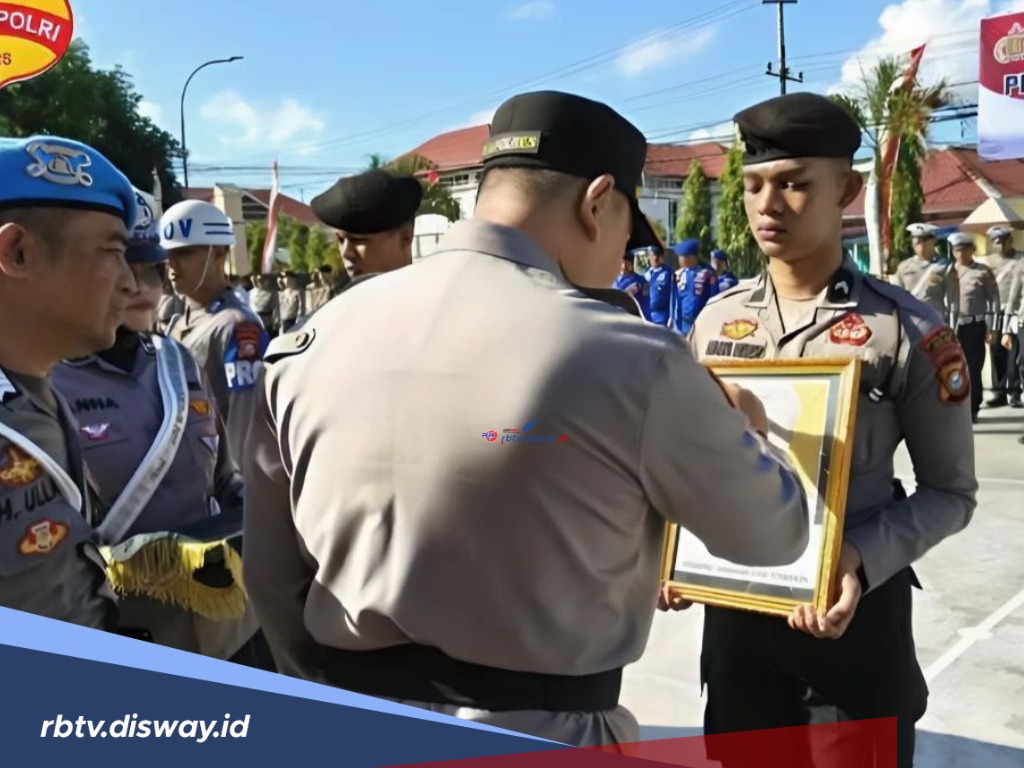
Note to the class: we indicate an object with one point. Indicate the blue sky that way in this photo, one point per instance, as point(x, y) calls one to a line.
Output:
point(325, 83)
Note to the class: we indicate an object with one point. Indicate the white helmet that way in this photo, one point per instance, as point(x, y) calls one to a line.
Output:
point(194, 222)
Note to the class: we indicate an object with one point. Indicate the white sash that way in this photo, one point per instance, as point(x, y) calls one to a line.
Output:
point(151, 471)
point(67, 486)
point(921, 281)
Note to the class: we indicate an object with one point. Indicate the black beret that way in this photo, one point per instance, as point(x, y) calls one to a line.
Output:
point(562, 132)
point(797, 125)
point(372, 202)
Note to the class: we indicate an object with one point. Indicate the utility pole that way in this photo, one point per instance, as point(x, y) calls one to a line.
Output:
point(783, 73)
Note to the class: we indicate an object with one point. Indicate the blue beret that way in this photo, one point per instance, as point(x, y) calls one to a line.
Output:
point(144, 237)
point(51, 172)
point(719, 255)
point(687, 248)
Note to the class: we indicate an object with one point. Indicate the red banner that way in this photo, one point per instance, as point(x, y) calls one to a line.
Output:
point(1001, 88)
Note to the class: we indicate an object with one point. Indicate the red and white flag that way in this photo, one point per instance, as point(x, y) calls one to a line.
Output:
point(270, 246)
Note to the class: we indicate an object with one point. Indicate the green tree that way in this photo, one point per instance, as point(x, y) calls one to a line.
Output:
point(883, 109)
point(695, 220)
point(437, 199)
point(315, 247)
point(297, 242)
point(256, 238)
point(98, 107)
point(734, 235)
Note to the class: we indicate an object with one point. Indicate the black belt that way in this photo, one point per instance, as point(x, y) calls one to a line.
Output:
point(422, 674)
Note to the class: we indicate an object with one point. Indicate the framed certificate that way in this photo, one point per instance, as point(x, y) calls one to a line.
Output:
point(812, 406)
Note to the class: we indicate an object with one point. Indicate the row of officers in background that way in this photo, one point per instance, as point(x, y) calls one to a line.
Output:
point(981, 298)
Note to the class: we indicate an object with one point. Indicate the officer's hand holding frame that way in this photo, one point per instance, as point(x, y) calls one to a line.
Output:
point(811, 405)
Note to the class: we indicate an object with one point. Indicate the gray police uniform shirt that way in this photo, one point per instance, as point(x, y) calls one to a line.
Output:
point(316, 297)
point(120, 413)
point(932, 282)
point(915, 388)
point(1009, 272)
point(291, 304)
point(48, 565)
point(979, 294)
point(497, 480)
point(228, 340)
point(169, 306)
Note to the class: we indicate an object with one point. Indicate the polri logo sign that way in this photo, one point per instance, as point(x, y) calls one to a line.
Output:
point(34, 36)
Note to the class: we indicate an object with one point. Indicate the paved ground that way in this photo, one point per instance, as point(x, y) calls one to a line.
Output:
point(969, 626)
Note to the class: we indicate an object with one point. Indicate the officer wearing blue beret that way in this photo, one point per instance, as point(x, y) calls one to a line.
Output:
point(695, 284)
point(635, 284)
point(661, 282)
point(720, 263)
point(64, 282)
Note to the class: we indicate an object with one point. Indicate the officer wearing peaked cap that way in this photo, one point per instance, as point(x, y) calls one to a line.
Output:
point(64, 283)
point(857, 660)
point(1008, 265)
point(373, 216)
point(979, 312)
point(374, 564)
point(929, 277)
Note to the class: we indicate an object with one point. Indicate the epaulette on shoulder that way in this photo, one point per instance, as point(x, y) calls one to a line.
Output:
point(914, 312)
point(743, 285)
point(288, 345)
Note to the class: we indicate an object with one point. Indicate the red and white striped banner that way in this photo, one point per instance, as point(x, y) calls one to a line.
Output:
point(270, 246)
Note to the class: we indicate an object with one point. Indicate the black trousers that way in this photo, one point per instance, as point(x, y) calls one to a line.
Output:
point(760, 674)
point(972, 339)
point(1006, 373)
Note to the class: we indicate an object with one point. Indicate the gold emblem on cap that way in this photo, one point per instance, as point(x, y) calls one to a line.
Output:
point(512, 142)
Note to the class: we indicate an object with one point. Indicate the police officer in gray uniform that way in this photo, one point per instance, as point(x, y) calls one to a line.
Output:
point(980, 318)
point(290, 301)
point(64, 282)
point(486, 543)
point(856, 661)
point(151, 439)
point(928, 277)
point(223, 333)
point(1008, 266)
point(264, 301)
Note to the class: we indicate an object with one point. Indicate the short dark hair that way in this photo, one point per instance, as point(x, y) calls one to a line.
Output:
point(540, 184)
point(44, 222)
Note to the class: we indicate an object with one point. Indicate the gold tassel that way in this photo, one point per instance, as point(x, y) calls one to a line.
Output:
point(162, 567)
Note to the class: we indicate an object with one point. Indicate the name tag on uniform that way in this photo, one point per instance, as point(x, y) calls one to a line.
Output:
point(739, 349)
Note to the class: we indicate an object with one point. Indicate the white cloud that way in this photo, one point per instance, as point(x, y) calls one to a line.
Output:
point(483, 117)
point(271, 127)
point(949, 27)
point(535, 10)
point(659, 49)
point(152, 110)
point(714, 132)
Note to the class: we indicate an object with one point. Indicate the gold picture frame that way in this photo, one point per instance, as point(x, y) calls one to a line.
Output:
point(812, 406)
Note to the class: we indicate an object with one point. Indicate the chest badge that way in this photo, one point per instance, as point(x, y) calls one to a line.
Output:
point(851, 331)
point(739, 329)
point(202, 407)
point(96, 433)
point(18, 469)
point(42, 538)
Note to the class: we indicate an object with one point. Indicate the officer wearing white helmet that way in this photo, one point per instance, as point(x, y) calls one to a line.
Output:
point(1008, 265)
point(223, 333)
point(152, 440)
point(930, 278)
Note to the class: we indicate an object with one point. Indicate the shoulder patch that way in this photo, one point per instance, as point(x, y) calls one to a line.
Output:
point(289, 345)
point(243, 354)
point(943, 349)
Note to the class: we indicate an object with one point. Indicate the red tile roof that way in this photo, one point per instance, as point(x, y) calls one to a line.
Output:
point(461, 150)
point(289, 205)
point(948, 182)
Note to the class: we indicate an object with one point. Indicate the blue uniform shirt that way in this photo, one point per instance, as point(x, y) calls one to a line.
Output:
point(694, 287)
point(661, 284)
point(727, 280)
point(636, 286)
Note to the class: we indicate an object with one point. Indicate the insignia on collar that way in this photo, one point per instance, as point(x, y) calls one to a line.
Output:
point(851, 330)
point(58, 164)
point(7, 389)
point(739, 329)
point(841, 287)
point(947, 357)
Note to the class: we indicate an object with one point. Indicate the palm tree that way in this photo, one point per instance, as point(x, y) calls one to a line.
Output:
point(436, 197)
point(885, 110)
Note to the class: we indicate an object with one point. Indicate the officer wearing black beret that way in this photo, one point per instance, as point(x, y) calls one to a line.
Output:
point(856, 659)
point(508, 325)
point(373, 214)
